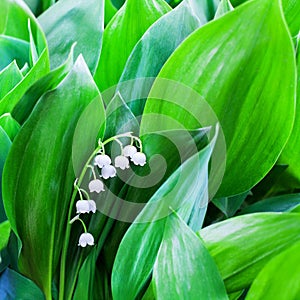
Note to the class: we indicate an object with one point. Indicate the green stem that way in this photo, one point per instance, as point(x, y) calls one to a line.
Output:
point(73, 198)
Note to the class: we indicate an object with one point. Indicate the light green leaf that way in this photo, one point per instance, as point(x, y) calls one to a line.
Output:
point(10, 125)
point(15, 286)
point(170, 30)
point(279, 279)
point(44, 193)
point(121, 35)
point(232, 64)
point(67, 22)
point(223, 8)
point(186, 192)
point(184, 268)
point(50, 81)
point(241, 246)
point(10, 76)
point(4, 234)
point(109, 11)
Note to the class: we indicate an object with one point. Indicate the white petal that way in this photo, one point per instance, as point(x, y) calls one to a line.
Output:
point(92, 206)
point(121, 162)
point(129, 150)
point(108, 171)
point(102, 160)
point(139, 158)
point(82, 207)
point(86, 239)
point(96, 185)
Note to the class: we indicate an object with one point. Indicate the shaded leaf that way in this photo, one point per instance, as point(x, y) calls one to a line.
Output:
point(10, 125)
point(4, 235)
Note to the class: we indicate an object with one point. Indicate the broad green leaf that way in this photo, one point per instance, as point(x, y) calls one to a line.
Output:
point(4, 234)
point(10, 125)
point(16, 21)
point(15, 286)
point(184, 268)
point(10, 76)
point(44, 193)
point(13, 49)
point(223, 8)
point(186, 192)
point(279, 279)
point(121, 35)
point(170, 30)
point(50, 81)
point(67, 22)
point(283, 203)
point(5, 144)
point(109, 11)
point(233, 66)
point(241, 246)
point(290, 154)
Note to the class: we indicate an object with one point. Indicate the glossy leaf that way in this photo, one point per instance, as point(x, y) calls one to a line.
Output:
point(10, 125)
point(10, 76)
point(121, 35)
point(170, 30)
point(185, 192)
point(290, 155)
point(238, 90)
point(283, 203)
point(15, 286)
point(50, 81)
point(67, 22)
point(184, 268)
point(241, 246)
point(13, 49)
point(4, 234)
point(44, 194)
point(279, 279)
point(5, 144)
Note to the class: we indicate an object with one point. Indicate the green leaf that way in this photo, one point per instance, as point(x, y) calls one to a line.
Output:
point(109, 11)
point(279, 279)
point(232, 63)
point(10, 76)
point(50, 81)
point(67, 22)
point(13, 49)
point(184, 268)
point(230, 205)
point(223, 8)
point(121, 35)
point(10, 125)
point(15, 286)
point(44, 193)
point(241, 246)
point(186, 192)
point(290, 154)
point(5, 144)
point(170, 30)
point(283, 203)
point(4, 234)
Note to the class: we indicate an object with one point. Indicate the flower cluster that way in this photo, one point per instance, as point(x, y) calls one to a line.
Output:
point(101, 164)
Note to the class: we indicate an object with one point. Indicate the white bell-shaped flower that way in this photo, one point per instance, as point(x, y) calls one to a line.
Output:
point(102, 160)
point(122, 162)
point(96, 185)
point(108, 171)
point(139, 158)
point(129, 150)
point(82, 207)
point(85, 206)
point(86, 239)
